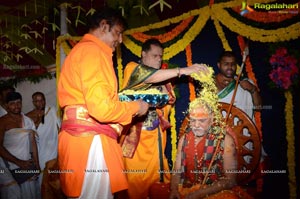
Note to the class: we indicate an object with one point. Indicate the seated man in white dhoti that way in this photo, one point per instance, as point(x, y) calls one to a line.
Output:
point(18, 149)
point(47, 125)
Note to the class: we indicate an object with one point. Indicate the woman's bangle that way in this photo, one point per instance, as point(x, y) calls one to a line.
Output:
point(178, 72)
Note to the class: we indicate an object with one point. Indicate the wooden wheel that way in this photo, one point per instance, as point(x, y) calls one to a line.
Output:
point(248, 143)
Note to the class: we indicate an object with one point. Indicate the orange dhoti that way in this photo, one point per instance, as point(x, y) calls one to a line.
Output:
point(143, 169)
point(89, 160)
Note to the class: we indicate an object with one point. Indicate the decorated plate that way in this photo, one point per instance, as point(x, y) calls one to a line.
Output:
point(153, 98)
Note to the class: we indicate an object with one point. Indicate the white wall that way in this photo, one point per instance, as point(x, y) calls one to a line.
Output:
point(48, 87)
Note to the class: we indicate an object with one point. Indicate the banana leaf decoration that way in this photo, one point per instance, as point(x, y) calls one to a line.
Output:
point(92, 11)
point(142, 9)
point(161, 3)
point(18, 56)
point(36, 22)
point(36, 34)
point(25, 35)
point(26, 26)
point(79, 8)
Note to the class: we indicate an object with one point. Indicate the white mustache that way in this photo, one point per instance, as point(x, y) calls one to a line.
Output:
point(198, 128)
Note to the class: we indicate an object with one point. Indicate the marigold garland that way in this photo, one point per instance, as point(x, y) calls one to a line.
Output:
point(188, 52)
point(257, 115)
point(265, 17)
point(166, 37)
point(251, 75)
point(290, 137)
point(249, 71)
point(180, 45)
point(133, 47)
point(65, 47)
point(173, 134)
point(57, 63)
point(119, 66)
point(219, 14)
point(164, 23)
point(221, 34)
point(255, 34)
point(188, 37)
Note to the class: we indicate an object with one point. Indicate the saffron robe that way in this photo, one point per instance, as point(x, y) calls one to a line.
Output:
point(88, 78)
point(143, 168)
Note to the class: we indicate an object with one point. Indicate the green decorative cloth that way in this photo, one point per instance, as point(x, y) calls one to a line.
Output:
point(227, 89)
point(138, 76)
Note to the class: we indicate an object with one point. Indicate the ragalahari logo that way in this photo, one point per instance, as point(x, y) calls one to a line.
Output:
point(292, 8)
point(245, 8)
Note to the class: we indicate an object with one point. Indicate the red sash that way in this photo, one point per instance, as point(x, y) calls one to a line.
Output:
point(77, 122)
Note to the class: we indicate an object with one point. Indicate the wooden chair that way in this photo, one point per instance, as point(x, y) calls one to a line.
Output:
point(247, 140)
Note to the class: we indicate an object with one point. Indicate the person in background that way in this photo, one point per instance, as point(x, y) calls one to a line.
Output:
point(247, 98)
point(144, 144)
point(93, 114)
point(3, 93)
point(18, 149)
point(47, 125)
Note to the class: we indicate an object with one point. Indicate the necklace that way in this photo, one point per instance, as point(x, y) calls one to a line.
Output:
point(198, 161)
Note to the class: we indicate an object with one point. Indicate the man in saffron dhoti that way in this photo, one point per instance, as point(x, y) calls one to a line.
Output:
point(18, 149)
point(89, 156)
point(144, 153)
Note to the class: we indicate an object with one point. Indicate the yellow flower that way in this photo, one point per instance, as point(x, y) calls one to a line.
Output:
point(208, 95)
point(290, 137)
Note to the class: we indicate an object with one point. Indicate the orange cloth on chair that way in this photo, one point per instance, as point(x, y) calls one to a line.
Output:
point(89, 79)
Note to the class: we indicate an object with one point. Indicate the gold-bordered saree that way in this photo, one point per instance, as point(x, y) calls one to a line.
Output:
point(134, 76)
